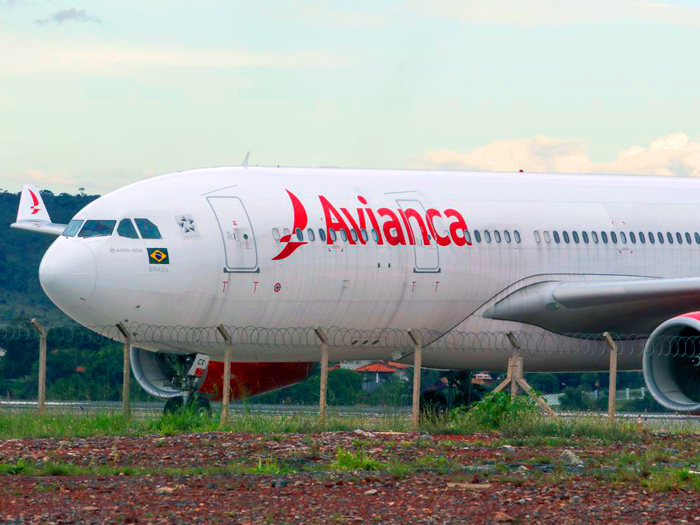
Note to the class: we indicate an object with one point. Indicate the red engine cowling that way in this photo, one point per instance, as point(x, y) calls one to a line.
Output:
point(249, 379)
point(672, 363)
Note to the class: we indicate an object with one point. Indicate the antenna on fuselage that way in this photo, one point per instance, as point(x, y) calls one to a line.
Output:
point(245, 160)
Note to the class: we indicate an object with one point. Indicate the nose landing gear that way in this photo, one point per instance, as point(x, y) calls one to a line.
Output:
point(187, 375)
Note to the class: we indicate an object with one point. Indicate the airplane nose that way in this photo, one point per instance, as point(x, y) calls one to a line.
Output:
point(68, 274)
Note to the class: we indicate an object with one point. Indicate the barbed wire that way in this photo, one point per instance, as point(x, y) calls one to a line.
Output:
point(203, 338)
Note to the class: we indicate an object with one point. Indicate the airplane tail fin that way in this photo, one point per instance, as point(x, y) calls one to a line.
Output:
point(31, 205)
point(32, 214)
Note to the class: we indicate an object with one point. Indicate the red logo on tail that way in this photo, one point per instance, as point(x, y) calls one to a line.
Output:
point(34, 208)
point(300, 222)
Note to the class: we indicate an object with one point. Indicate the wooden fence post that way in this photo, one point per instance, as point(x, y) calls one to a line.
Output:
point(324, 372)
point(126, 381)
point(612, 385)
point(41, 402)
point(226, 394)
point(417, 363)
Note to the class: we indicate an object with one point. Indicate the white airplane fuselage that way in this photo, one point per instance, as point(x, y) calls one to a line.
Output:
point(228, 260)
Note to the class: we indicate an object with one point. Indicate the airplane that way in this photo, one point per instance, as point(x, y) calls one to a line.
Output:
point(547, 255)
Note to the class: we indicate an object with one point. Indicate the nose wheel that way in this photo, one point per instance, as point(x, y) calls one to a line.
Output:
point(187, 374)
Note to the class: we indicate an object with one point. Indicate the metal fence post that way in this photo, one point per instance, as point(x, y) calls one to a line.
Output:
point(41, 402)
point(324, 371)
point(417, 362)
point(126, 382)
point(612, 393)
point(226, 394)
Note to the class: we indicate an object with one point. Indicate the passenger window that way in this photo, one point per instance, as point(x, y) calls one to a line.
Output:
point(613, 237)
point(286, 232)
point(546, 236)
point(604, 236)
point(299, 234)
point(623, 238)
point(594, 236)
point(97, 229)
point(126, 229)
point(365, 237)
point(697, 238)
point(585, 237)
point(487, 236)
point(353, 235)
point(343, 235)
point(633, 239)
point(651, 238)
point(516, 234)
point(688, 238)
point(497, 235)
point(334, 236)
point(275, 234)
point(322, 235)
point(477, 235)
point(669, 237)
point(75, 224)
point(679, 238)
point(566, 236)
point(375, 235)
point(556, 236)
point(641, 238)
point(660, 236)
point(310, 235)
point(506, 234)
point(538, 239)
point(148, 229)
point(575, 236)
point(468, 236)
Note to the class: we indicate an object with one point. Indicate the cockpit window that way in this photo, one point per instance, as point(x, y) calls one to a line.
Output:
point(97, 229)
point(148, 229)
point(126, 229)
point(73, 227)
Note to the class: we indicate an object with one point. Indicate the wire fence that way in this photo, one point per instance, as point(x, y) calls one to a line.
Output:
point(209, 338)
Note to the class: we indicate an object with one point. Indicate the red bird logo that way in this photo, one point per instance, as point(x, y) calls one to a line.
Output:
point(34, 208)
point(300, 222)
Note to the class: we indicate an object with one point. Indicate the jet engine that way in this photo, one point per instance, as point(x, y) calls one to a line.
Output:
point(672, 363)
point(160, 375)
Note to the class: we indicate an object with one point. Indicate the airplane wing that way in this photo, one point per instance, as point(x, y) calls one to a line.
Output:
point(623, 306)
point(32, 214)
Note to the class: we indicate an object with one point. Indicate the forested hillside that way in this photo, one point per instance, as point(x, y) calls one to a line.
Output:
point(85, 370)
point(21, 296)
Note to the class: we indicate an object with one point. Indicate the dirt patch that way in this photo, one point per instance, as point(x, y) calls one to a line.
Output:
point(297, 478)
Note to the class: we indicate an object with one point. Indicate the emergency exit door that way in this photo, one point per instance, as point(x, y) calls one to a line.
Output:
point(236, 233)
point(427, 256)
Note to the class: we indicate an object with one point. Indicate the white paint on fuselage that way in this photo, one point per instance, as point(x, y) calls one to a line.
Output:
point(370, 286)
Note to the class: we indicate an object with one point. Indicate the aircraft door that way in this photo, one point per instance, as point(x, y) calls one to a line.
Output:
point(427, 256)
point(236, 233)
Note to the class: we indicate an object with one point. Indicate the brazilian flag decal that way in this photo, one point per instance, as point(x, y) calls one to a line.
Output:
point(158, 256)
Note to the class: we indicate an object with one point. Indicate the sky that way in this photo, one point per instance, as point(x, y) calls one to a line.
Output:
point(98, 94)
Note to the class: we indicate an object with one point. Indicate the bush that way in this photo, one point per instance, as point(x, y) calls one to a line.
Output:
point(495, 411)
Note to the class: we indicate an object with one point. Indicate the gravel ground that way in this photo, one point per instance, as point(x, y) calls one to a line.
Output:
point(295, 478)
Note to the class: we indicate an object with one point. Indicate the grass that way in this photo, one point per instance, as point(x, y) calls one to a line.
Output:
point(348, 460)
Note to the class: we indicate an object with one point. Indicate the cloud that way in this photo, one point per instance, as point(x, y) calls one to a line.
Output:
point(64, 56)
point(41, 178)
point(675, 154)
point(558, 12)
point(69, 15)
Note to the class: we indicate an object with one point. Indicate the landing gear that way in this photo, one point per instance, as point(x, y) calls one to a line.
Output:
point(456, 390)
point(186, 374)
